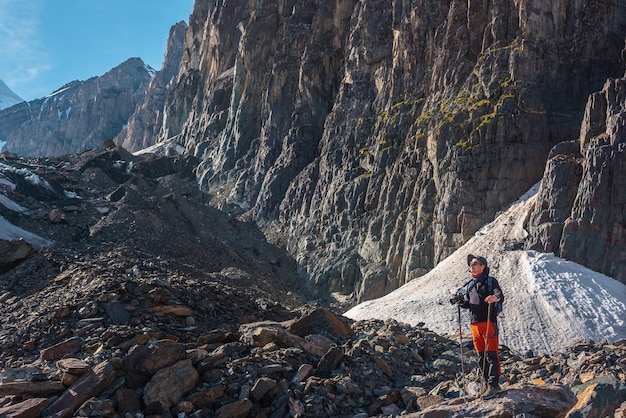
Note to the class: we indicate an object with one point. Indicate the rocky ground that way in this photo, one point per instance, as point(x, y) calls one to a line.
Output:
point(153, 303)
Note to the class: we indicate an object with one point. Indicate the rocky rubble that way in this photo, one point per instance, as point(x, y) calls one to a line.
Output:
point(315, 366)
point(150, 303)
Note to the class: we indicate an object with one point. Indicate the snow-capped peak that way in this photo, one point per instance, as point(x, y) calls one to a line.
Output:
point(7, 97)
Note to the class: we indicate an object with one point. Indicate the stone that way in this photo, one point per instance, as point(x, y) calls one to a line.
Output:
point(127, 400)
point(97, 408)
point(426, 401)
point(261, 387)
point(176, 310)
point(117, 312)
point(322, 343)
point(238, 409)
point(56, 216)
point(347, 387)
point(88, 385)
point(14, 250)
point(168, 385)
point(304, 371)
point(163, 355)
point(597, 397)
point(264, 335)
point(384, 366)
point(30, 388)
point(30, 408)
point(321, 321)
point(329, 362)
point(73, 366)
point(62, 349)
point(213, 337)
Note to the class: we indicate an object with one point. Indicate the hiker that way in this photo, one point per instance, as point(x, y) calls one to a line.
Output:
point(482, 298)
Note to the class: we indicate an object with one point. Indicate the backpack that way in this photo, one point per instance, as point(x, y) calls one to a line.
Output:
point(498, 304)
point(490, 284)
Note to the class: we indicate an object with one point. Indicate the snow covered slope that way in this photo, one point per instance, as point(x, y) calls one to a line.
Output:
point(550, 302)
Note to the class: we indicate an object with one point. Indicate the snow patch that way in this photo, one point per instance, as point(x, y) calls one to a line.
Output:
point(549, 304)
point(10, 232)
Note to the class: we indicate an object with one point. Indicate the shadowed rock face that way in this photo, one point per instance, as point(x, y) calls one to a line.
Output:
point(78, 116)
point(374, 138)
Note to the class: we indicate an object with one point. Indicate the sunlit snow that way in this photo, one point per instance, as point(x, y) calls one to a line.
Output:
point(550, 302)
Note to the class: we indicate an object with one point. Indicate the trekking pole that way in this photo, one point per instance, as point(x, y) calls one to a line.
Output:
point(485, 382)
point(461, 391)
point(461, 339)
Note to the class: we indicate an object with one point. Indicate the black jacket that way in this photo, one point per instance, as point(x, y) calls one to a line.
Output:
point(475, 299)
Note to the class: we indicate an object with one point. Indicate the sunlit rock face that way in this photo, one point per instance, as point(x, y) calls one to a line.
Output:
point(373, 138)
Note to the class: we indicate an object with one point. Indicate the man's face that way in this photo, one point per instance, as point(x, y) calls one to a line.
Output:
point(476, 267)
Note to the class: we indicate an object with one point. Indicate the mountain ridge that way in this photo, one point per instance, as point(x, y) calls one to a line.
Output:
point(69, 119)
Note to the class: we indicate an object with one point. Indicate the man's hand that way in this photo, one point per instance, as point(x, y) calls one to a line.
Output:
point(491, 299)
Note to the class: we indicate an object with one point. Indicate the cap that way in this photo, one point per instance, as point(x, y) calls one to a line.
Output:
point(482, 260)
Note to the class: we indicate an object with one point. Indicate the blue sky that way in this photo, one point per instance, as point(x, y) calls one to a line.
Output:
point(47, 43)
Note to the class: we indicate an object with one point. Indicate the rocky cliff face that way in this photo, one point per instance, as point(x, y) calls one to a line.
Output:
point(373, 138)
point(380, 134)
point(78, 116)
point(145, 123)
point(580, 215)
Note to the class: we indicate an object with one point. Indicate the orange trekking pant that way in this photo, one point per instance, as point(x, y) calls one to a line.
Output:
point(485, 336)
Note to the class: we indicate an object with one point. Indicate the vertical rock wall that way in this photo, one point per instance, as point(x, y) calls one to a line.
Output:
point(581, 211)
point(373, 138)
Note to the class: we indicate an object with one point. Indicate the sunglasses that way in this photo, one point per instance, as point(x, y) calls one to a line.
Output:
point(475, 263)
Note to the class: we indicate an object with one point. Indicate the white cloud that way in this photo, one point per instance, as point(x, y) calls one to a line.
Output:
point(23, 56)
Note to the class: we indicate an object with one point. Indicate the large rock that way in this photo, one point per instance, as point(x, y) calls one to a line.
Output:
point(533, 400)
point(14, 250)
point(168, 385)
point(30, 408)
point(89, 385)
point(580, 210)
point(598, 397)
point(381, 135)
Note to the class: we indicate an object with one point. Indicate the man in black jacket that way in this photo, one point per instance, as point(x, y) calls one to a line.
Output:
point(481, 300)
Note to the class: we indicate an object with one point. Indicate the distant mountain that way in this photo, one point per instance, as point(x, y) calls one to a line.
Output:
point(7, 97)
point(78, 116)
point(124, 105)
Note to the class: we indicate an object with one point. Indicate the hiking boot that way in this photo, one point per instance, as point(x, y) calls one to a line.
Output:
point(490, 392)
